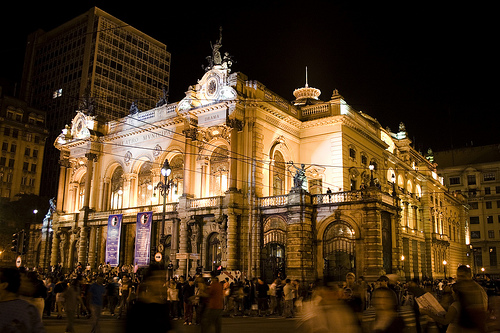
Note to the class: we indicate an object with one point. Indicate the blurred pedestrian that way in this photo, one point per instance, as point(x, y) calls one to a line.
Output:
point(59, 289)
point(125, 295)
point(188, 299)
point(149, 311)
point(16, 315)
point(96, 297)
point(288, 293)
point(327, 312)
point(215, 305)
point(262, 297)
point(49, 300)
point(385, 303)
point(72, 299)
point(473, 302)
point(112, 290)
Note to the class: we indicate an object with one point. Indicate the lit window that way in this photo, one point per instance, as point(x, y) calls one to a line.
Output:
point(489, 176)
point(57, 93)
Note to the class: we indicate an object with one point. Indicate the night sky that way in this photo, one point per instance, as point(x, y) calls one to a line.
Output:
point(433, 67)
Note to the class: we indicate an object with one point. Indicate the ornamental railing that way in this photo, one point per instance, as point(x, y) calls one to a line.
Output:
point(278, 200)
point(205, 202)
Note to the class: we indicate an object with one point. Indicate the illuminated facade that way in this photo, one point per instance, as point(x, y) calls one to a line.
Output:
point(474, 172)
point(236, 199)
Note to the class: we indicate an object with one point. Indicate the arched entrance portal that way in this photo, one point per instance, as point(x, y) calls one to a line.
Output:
point(273, 254)
point(338, 251)
point(214, 252)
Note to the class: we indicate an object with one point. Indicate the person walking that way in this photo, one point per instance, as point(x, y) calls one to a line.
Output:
point(188, 298)
point(125, 294)
point(215, 305)
point(262, 301)
point(96, 296)
point(288, 293)
point(72, 300)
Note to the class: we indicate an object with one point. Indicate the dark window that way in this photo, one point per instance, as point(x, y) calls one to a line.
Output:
point(454, 180)
point(475, 234)
point(471, 179)
point(493, 256)
point(489, 219)
point(474, 220)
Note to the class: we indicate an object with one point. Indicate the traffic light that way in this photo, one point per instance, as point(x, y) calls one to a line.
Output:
point(15, 242)
point(25, 242)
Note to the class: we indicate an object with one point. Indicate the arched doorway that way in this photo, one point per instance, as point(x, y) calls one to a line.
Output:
point(214, 252)
point(273, 254)
point(338, 251)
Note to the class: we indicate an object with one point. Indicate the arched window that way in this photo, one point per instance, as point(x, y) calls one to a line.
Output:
point(117, 188)
point(278, 174)
point(145, 185)
point(81, 192)
point(214, 252)
point(177, 175)
point(219, 170)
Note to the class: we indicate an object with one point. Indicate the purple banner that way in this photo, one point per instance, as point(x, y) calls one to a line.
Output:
point(143, 239)
point(113, 240)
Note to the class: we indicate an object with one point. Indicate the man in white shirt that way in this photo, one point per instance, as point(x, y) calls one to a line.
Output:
point(288, 293)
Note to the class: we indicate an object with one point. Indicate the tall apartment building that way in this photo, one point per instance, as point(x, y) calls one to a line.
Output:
point(93, 55)
point(22, 136)
point(475, 172)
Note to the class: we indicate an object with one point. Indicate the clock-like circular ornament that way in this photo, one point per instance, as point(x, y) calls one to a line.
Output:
point(212, 86)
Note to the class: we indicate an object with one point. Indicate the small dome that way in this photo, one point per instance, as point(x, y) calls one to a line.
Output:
point(306, 95)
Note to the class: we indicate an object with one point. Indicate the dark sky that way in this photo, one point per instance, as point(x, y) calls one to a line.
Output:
point(433, 67)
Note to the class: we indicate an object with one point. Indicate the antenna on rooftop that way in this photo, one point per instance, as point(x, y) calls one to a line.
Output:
point(307, 85)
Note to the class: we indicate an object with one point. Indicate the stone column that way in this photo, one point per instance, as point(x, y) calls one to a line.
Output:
point(233, 173)
point(232, 242)
point(92, 247)
point(299, 237)
point(189, 162)
point(64, 164)
point(183, 245)
point(83, 245)
point(55, 248)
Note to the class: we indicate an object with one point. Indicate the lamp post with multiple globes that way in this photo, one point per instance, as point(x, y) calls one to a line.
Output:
point(164, 187)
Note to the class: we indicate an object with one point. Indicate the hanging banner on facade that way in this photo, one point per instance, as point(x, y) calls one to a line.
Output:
point(143, 239)
point(113, 240)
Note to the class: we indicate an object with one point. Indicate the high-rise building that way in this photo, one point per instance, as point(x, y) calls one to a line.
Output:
point(93, 58)
point(22, 136)
point(234, 176)
point(475, 173)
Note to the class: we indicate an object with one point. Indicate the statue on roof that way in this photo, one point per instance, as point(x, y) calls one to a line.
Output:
point(216, 57)
point(164, 98)
point(134, 108)
point(87, 104)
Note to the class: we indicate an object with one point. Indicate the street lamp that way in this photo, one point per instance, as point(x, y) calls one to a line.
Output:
point(444, 264)
point(164, 187)
point(403, 265)
point(371, 167)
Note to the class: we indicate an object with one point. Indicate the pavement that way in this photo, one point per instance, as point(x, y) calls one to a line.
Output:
point(111, 324)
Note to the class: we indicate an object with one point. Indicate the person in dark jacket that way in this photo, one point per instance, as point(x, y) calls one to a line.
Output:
point(188, 298)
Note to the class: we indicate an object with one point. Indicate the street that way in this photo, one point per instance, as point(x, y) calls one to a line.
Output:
point(238, 324)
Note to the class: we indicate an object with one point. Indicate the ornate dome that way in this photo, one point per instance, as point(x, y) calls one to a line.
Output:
point(306, 95)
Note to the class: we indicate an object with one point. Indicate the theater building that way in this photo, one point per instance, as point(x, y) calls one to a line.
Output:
point(249, 174)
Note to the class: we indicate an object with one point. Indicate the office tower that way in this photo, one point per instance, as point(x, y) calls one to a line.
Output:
point(22, 136)
point(96, 57)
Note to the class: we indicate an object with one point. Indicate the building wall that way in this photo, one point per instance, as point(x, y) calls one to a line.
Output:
point(473, 172)
point(365, 228)
point(22, 135)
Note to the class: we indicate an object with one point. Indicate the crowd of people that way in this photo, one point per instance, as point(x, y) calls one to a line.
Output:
point(353, 305)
